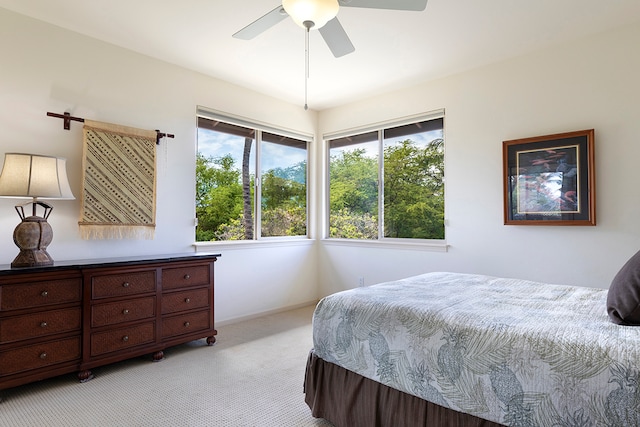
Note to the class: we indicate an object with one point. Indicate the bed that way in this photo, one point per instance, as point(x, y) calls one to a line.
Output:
point(450, 349)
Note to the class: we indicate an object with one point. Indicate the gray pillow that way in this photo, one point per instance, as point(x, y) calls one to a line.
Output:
point(623, 299)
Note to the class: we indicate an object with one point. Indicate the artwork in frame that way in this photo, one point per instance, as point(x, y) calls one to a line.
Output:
point(550, 180)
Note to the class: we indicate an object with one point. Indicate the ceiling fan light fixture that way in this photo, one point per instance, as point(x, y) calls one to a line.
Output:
point(318, 12)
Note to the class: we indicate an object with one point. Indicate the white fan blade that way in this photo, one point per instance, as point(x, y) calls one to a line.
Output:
point(416, 5)
point(262, 24)
point(336, 38)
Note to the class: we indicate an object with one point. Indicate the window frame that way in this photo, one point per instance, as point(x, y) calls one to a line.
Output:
point(439, 245)
point(258, 128)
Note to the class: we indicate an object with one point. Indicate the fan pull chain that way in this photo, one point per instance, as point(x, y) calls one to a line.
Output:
point(306, 66)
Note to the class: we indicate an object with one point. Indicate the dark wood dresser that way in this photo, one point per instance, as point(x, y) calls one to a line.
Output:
point(78, 315)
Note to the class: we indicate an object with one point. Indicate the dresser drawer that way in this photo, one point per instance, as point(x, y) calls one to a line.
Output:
point(122, 311)
point(46, 292)
point(39, 355)
point(113, 285)
point(181, 277)
point(119, 339)
point(186, 300)
point(40, 324)
point(186, 323)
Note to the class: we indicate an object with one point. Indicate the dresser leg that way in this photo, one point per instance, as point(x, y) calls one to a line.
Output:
point(158, 356)
point(85, 375)
point(211, 340)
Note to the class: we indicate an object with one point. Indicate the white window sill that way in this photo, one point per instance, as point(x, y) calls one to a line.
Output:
point(251, 244)
point(417, 245)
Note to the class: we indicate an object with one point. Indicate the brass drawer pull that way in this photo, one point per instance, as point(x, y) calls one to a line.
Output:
point(125, 311)
point(187, 300)
point(187, 324)
point(125, 285)
point(187, 277)
point(44, 293)
point(125, 338)
point(43, 355)
point(43, 324)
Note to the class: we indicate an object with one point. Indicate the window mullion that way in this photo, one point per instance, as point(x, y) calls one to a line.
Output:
point(257, 214)
point(380, 184)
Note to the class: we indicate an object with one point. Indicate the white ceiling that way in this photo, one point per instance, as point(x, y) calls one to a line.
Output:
point(394, 49)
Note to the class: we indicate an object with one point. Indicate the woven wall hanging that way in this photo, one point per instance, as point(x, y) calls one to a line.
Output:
point(118, 183)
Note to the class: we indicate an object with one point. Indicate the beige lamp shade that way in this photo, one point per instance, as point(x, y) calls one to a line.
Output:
point(34, 176)
point(319, 12)
point(37, 177)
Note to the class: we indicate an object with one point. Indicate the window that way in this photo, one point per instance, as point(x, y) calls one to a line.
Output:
point(233, 202)
point(408, 202)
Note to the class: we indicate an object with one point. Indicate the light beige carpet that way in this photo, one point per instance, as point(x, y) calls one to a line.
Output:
point(252, 376)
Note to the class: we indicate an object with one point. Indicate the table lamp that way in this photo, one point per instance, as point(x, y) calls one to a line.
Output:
point(37, 177)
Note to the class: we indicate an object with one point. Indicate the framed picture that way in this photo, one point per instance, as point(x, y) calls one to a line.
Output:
point(550, 180)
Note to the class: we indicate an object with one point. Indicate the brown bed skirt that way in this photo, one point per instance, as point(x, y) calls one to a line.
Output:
point(347, 399)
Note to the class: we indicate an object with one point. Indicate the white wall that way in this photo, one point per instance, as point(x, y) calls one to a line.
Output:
point(44, 68)
point(590, 83)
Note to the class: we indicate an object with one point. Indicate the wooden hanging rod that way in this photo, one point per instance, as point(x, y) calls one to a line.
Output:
point(67, 117)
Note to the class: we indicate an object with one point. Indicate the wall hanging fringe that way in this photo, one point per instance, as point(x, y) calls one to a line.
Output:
point(67, 118)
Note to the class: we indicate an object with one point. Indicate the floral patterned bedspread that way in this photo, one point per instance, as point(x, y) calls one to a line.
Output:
point(512, 351)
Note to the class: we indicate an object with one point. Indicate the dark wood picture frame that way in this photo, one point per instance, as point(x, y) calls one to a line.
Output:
point(550, 180)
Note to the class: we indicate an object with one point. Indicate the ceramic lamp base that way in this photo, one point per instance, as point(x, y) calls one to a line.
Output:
point(32, 236)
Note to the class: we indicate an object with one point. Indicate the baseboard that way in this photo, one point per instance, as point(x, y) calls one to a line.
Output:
point(263, 313)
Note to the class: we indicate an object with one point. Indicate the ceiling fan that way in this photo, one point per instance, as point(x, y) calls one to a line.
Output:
point(321, 15)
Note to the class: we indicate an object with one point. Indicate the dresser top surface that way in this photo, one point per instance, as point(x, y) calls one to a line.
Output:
point(6, 269)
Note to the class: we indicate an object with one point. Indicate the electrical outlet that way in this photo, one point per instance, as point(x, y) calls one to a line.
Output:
point(360, 281)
